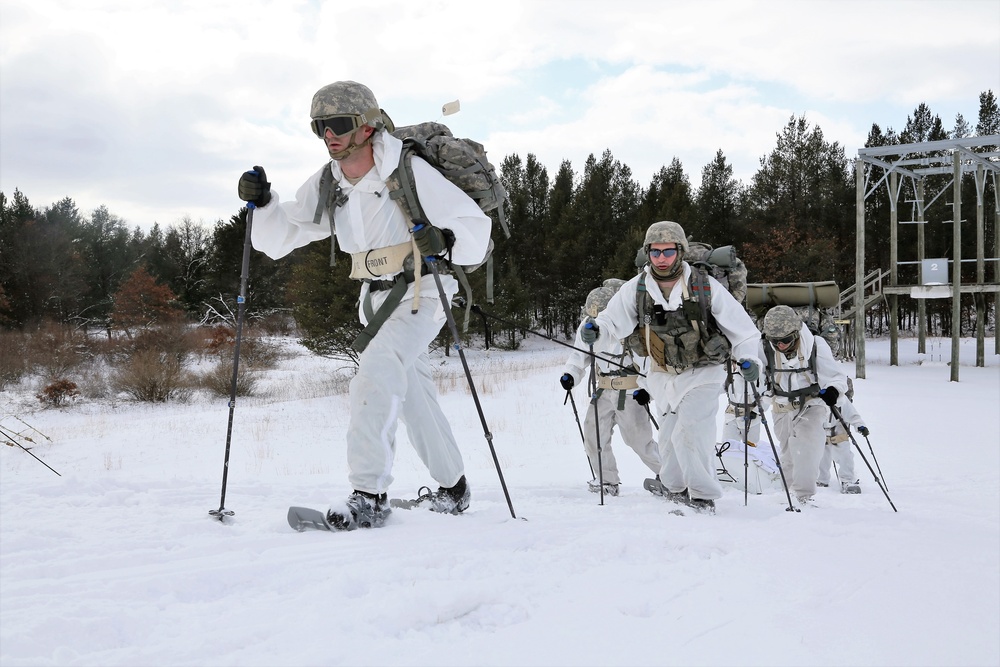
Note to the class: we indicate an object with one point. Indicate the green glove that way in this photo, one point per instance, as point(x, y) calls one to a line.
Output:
point(749, 370)
point(590, 332)
point(431, 241)
point(254, 188)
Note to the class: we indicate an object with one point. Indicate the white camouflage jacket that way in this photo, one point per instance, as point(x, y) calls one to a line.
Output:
point(370, 219)
point(620, 319)
point(827, 369)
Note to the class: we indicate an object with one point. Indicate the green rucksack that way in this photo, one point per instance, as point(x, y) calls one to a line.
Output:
point(461, 161)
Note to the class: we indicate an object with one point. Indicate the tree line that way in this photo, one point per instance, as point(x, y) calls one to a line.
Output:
point(795, 221)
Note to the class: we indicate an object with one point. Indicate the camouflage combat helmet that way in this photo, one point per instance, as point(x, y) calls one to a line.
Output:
point(665, 232)
point(599, 297)
point(781, 322)
point(349, 98)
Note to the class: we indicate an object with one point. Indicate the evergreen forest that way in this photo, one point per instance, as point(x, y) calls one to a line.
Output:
point(570, 229)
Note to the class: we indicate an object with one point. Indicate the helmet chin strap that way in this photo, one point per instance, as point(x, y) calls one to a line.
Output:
point(351, 147)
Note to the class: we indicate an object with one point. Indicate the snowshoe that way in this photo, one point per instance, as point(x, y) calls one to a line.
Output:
point(450, 500)
point(702, 505)
point(362, 510)
point(657, 489)
point(850, 487)
point(609, 489)
point(806, 501)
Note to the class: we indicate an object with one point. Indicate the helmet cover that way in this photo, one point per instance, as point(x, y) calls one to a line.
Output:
point(347, 98)
point(665, 232)
point(599, 297)
point(780, 322)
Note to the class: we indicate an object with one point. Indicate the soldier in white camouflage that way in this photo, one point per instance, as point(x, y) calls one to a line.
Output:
point(687, 335)
point(803, 380)
point(394, 382)
point(621, 401)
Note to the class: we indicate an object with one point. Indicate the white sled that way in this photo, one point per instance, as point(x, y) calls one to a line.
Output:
point(762, 471)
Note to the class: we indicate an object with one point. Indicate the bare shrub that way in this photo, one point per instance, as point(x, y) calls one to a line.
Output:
point(93, 382)
point(55, 349)
point(259, 353)
point(153, 376)
point(174, 339)
point(255, 352)
point(220, 338)
point(58, 393)
point(219, 380)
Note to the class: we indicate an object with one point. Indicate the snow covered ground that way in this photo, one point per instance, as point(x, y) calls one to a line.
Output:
point(116, 561)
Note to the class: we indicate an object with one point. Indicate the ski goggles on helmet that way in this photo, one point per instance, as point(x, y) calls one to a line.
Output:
point(337, 124)
point(784, 340)
point(656, 252)
point(343, 123)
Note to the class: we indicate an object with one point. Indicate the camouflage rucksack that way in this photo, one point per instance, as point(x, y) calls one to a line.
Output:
point(461, 161)
point(821, 323)
point(722, 264)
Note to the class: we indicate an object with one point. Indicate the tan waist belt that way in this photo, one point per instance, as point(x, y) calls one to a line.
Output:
point(380, 261)
point(617, 382)
point(782, 406)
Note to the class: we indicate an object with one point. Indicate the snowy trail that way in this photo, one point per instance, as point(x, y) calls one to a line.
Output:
point(117, 563)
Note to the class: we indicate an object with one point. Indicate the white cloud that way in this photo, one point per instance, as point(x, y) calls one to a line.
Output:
point(155, 108)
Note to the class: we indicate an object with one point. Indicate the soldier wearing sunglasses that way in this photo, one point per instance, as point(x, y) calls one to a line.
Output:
point(688, 325)
point(399, 304)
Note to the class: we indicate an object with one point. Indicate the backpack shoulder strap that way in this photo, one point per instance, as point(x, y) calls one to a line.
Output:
point(703, 289)
point(402, 188)
point(642, 301)
point(331, 196)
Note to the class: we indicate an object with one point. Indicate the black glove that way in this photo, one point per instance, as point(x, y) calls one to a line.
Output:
point(863, 430)
point(566, 381)
point(749, 370)
point(641, 396)
point(432, 241)
point(829, 395)
point(254, 188)
point(590, 333)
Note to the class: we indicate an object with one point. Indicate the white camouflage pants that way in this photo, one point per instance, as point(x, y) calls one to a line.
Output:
point(687, 445)
point(802, 439)
point(841, 454)
point(634, 426)
point(393, 383)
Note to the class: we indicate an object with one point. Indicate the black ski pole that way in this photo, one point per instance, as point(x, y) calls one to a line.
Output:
point(241, 302)
point(746, 438)
point(14, 443)
point(774, 450)
point(649, 413)
point(836, 413)
point(576, 415)
point(876, 462)
point(478, 310)
point(432, 264)
point(594, 396)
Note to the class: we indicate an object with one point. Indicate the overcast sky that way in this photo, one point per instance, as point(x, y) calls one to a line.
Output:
point(153, 109)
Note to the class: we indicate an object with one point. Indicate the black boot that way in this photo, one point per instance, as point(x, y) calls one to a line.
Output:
point(446, 500)
point(364, 510)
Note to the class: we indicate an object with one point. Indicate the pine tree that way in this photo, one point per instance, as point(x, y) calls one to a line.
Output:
point(801, 209)
point(716, 205)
